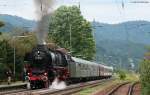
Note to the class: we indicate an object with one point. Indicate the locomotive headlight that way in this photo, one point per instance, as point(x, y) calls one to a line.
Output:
point(45, 74)
point(38, 52)
point(29, 74)
point(39, 55)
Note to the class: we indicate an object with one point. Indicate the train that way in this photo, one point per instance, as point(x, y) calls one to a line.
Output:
point(44, 64)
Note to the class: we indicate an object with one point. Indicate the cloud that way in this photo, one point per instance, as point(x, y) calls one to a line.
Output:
point(22, 8)
point(108, 11)
point(114, 13)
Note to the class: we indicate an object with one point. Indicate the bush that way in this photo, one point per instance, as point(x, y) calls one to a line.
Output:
point(145, 76)
point(122, 74)
point(2, 72)
point(146, 89)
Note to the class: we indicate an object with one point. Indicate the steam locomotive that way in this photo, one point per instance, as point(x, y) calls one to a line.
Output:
point(45, 64)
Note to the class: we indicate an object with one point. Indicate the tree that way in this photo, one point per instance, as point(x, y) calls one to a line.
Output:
point(1, 24)
point(6, 55)
point(7, 59)
point(70, 30)
point(23, 44)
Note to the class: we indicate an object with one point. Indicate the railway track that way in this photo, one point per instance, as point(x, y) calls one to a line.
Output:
point(135, 89)
point(126, 88)
point(73, 88)
point(12, 88)
point(67, 91)
point(13, 91)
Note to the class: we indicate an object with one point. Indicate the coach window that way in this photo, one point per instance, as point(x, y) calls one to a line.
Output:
point(82, 66)
point(86, 67)
point(79, 64)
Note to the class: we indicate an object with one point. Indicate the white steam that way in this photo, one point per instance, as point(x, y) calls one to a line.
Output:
point(58, 85)
point(43, 11)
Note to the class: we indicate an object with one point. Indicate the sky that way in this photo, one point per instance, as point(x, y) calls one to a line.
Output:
point(106, 11)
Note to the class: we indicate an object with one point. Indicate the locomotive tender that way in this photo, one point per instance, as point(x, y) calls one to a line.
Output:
point(45, 64)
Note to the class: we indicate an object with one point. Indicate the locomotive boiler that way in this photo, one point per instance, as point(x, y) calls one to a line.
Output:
point(45, 64)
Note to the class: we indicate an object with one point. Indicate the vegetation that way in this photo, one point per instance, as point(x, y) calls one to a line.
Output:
point(121, 74)
point(6, 55)
point(9, 41)
point(131, 76)
point(112, 46)
point(145, 76)
point(70, 30)
point(126, 75)
point(1, 24)
point(24, 43)
point(7, 46)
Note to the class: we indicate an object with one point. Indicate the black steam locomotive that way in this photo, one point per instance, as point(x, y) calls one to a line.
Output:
point(45, 64)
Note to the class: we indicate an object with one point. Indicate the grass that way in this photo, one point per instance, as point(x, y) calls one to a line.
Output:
point(132, 77)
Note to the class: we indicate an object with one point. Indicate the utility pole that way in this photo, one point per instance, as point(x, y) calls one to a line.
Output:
point(41, 5)
point(94, 27)
point(70, 30)
point(14, 37)
point(79, 5)
point(14, 72)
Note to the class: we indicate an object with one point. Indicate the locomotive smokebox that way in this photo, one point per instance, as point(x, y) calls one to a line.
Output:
point(39, 57)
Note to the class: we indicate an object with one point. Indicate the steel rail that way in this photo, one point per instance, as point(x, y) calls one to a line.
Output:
point(116, 88)
point(130, 92)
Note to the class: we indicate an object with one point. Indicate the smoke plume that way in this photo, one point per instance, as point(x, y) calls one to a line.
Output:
point(43, 11)
point(58, 85)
